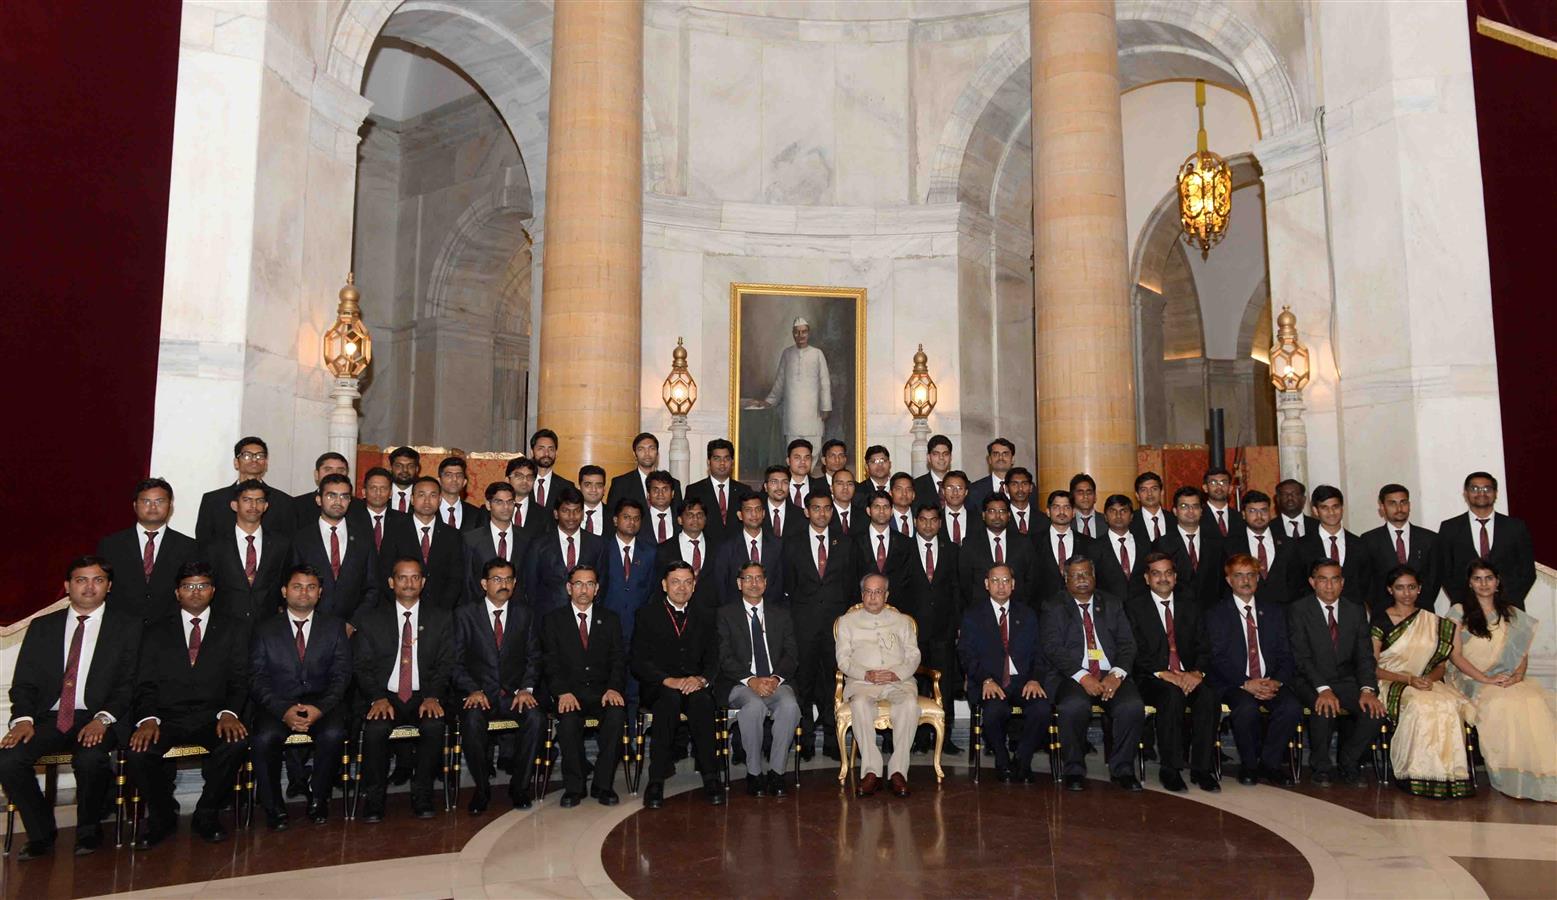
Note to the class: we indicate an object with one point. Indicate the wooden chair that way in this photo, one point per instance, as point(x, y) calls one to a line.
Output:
point(182, 752)
point(723, 736)
point(301, 740)
point(50, 765)
point(932, 712)
point(549, 752)
point(399, 733)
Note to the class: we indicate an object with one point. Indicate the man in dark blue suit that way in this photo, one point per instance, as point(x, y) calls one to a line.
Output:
point(629, 576)
point(555, 551)
point(340, 549)
point(1002, 654)
point(299, 669)
point(1249, 666)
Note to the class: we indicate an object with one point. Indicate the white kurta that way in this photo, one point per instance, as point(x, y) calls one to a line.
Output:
point(803, 389)
point(883, 641)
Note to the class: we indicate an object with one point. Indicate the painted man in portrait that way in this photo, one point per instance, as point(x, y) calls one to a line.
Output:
point(802, 389)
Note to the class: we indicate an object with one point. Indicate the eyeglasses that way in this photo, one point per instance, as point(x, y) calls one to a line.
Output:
point(501, 579)
point(152, 501)
point(201, 586)
point(1481, 489)
point(1002, 581)
point(250, 456)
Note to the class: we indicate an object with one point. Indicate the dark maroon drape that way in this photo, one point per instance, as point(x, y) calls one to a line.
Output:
point(86, 136)
point(1515, 91)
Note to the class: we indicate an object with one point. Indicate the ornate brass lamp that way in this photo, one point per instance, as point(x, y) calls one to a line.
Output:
point(919, 395)
point(1205, 189)
point(680, 395)
point(1289, 374)
point(348, 348)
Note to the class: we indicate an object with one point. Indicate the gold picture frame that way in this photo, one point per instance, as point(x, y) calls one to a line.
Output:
point(761, 316)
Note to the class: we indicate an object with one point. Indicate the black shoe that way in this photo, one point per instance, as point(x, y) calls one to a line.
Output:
point(35, 850)
point(1133, 784)
point(756, 785)
point(1075, 782)
point(776, 786)
point(319, 812)
point(1005, 774)
point(87, 844)
point(373, 816)
point(276, 821)
point(210, 832)
point(521, 799)
point(607, 796)
point(153, 835)
point(807, 752)
point(1351, 777)
point(1172, 780)
point(1205, 782)
point(1323, 779)
point(297, 789)
point(1249, 775)
point(949, 749)
point(479, 801)
point(402, 775)
point(654, 796)
point(1280, 777)
point(830, 750)
point(571, 799)
point(423, 810)
point(714, 791)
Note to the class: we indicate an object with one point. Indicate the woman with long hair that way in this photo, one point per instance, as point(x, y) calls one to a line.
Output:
point(1515, 719)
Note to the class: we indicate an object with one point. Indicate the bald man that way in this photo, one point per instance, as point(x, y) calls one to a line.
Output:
point(802, 388)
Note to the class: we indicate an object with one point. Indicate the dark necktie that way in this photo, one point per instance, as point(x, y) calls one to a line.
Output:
point(583, 630)
point(663, 535)
point(799, 501)
point(902, 521)
point(881, 553)
point(1005, 647)
point(697, 558)
point(1486, 542)
point(778, 522)
point(1335, 630)
point(1400, 546)
point(572, 555)
point(519, 514)
point(1259, 541)
point(1221, 522)
point(497, 628)
point(724, 505)
point(1124, 556)
point(1021, 522)
point(403, 495)
point(1156, 529)
point(502, 545)
point(956, 528)
point(452, 523)
point(821, 556)
point(194, 639)
point(1335, 551)
point(1173, 645)
point(929, 561)
point(1253, 638)
point(627, 563)
point(1000, 554)
point(1292, 529)
point(426, 542)
point(1094, 667)
point(761, 667)
point(540, 492)
point(589, 520)
point(1059, 552)
point(66, 719)
point(678, 619)
point(250, 560)
point(756, 555)
point(149, 558)
point(335, 553)
point(1194, 558)
point(407, 641)
point(378, 532)
point(1086, 525)
point(843, 516)
point(302, 645)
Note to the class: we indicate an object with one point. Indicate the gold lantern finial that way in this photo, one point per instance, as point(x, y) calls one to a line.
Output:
point(919, 393)
point(348, 348)
point(1205, 188)
point(679, 390)
point(1288, 357)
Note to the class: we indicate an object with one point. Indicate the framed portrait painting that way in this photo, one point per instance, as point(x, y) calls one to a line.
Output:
point(797, 371)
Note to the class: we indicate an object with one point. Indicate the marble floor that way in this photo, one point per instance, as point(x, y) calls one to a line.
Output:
point(958, 839)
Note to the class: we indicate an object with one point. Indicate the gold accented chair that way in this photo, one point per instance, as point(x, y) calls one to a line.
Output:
point(182, 752)
point(976, 738)
point(305, 740)
point(50, 765)
point(550, 749)
point(932, 712)
point(456, 750)
point(398, 733)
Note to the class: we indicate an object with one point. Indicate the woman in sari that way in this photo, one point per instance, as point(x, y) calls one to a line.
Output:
point(1515, 719)
point(1412, 646)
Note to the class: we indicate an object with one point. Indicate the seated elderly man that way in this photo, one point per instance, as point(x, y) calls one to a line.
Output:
point(878, 654)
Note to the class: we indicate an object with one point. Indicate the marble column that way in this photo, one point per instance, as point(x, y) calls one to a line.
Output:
point(590, 305)
point(1084, 360)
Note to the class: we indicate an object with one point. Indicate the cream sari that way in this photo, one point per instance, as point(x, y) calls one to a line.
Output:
point(1428, 746)
point(1517, 725)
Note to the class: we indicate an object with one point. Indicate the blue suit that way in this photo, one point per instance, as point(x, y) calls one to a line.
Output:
point(278, 681)
point(624, 594)
point(1228, 668)
point(983, 657)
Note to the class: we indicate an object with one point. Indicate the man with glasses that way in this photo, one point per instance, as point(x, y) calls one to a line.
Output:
point(758, 659)
point(147, 556)
point(250, 460)
point(1248, 664)
point(878, 653)
point(249, 559)
point(1485, 534)
point(1220, 514)
point(341, 550)
point(585, 661)
point(1002, 653)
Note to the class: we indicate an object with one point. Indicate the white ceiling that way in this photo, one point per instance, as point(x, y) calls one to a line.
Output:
point(405, 80)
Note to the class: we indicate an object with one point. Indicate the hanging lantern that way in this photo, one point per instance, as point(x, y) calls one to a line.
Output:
point(1205, 189)
point(1288, 357)
point(919, 391)
point(347, 346)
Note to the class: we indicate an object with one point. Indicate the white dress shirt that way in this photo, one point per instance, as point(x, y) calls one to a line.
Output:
point(589, 616)
point(1005, 543)
point(811, 535)
point(686, 540)
point(94, 627)
point(762, 619)
point(623, 548)
point(1156, 523)
point(1021, 519)
point(1191, 539)
point(1269, 542)
point(401, 493)
point(658, 517)
point(324, 535)
point(1129, 541)
point(924, 544)
point(597, 520)
point(578, 545)
point(393, 684)
point(1288, 524)
point(1092, 526)
point(1475, 526)
point(1340, 544)
point(445, 507)
point(1404, 533)
point(1244, 608)
point(781, 513)
point(1054, 543)
point(804, 485)
point(242, 537)
point(543, 485)
point(1003, 608)
point(140, 535)
point(1212, 514)
point(524, 508)
point(1103, 663)
point(501, 531)
point(959, 516)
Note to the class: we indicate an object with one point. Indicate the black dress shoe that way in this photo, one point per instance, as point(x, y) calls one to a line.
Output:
point(714, 791)
point(87, 844)
point(1206, 782)
point(776, 786)
point(1172, 780)
point(571, 799)
point(373, 816)
point(950, 749)
point(521, 799)
point(1131, 783)
point(1075, 782)
point(276, 821)
point(830, 750)
point(152, 836)
point(807, 752)
point(210, 832)
point(1351, 777)
point(478, 802)
point(1248, 776)
point(654, 795)
point(607, 796)
point(756, 785)
point(319, 812)
point(423, 811)
point(297, 789)
point(1026, 776)
point(35, 850)
point(1005, 774)
point(1323, 779)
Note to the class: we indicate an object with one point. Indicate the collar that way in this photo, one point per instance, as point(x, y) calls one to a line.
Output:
point(205, 616)
point(417, 521)
point(882, 531)
point(680, 609)
point(751, 606)
point(95, 615)
point(1080, 603)
point(1161, 600)
point(1327, 533)
point(492, 524)
point(588, 611)
point(1243, 604)
point(492, 607)
point(144, 531)
point(998, 606)
point(414, 609)
point(627, 546)
point(296, 621)
point(1476, 520)
point(326, 523)
point(259, 533)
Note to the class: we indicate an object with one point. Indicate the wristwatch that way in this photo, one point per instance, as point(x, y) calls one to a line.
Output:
point(103, 717)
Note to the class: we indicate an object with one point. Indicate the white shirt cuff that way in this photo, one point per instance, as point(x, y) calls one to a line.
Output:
point(1120, 673)
point(18, 720)
point(105, 714)
point(1080, 674)
point(226, 712)
point(1321, 689)
point(148, 719)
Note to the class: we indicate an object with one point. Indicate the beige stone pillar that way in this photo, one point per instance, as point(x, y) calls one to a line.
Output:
point(590, 302)
point(1084, 366)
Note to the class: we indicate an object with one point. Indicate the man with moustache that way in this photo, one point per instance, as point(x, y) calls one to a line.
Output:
point(548, 485)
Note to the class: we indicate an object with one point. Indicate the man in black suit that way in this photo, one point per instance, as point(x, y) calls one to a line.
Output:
point(996, 543)
point(998, 456)
point(251, 460)
point(1488, 535)
point(405, 466)
point(634, 484)
point(1249, 666)
point(249, 559)
point(1119, 552)
point(496, 538)
point(758, 662)
point(932, 597)
point(592, 485)
point(72, 683)
point(691, 546)
point(781, 517)
point(878, 472)
point(304, 508)
point(1025, 519)
point(1217, 489)
point(927, 487)
point(147, 556)
point(191, 687)
point(530, 518)
point(820, 584)
point(453, 509)
point(380, 516)
point(1292, 502)
point(1399, 543)
point(675, 657)
point(1196, 549)
point(1001, 649)
point(555, 552)
point(902, 494)
point(958, 520)
point(548, 484)
point(299, 670)
point(659, 513)
point(1054, 544)
point(1090, 650)
point(882, 548)
point(835, 456)
point(797, 457)
point(440, 547)
point(1276, 555)
point(1154, 520)
point(586, 673)
point(497, 663)
point(403, 655)
point(1332, 541)
point(340, 550)
point(752, 543)
point(1088, 520)
point(849, 514)
point(1335, 671)
point(720, 494)
point(1169, 673)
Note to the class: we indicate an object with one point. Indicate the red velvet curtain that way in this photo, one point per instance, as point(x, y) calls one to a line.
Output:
point(86, 136)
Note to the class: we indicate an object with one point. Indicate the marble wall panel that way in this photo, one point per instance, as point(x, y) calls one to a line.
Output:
point(724, 118)
point(799, 148)
point(872, 124)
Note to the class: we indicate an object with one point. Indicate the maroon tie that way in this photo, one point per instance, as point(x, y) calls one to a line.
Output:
point(1335, 551)
point(149, 558)
point(724, 506)
point(1173, 645)
point(194, 640)
point(697, 558)
point(1059, 553)
point(778, 524)
point(843, 518)
point(540, 492)
point(881, 553)
point(572, 555)
point(1221, 522)
point(589, 520)
point(662, 536)
point(406, 643)
point(929, 561)
point(1335, 630)
point(250, 560)
point(583, 630)
point(627, 563)
point(335, 553)
point(956, 528)
point(1486, 543)
point(1194, 558)
point(67, 688)
point(378, 532)
point(1086, 526)
point(1253, 638)
point(1000, 555)
point(1124, 557)
point(1156, 529)
point(798, 500)
point(497, 627)
point(452, 523)
point(403, 495)
point(1400, 546)
point(519, 514)
point(1259, 540)
point(1021, 522)
point(903, 523)
point(1005, 646)
point(502, 545)
point(756, 555)
point(1094, 668)
point(821, 556)
point(426, 542)
point(302, 645)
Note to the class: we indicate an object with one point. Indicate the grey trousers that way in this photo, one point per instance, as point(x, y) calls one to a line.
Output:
point(753, 709)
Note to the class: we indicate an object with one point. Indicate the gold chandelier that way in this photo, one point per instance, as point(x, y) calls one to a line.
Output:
point(1205, 189)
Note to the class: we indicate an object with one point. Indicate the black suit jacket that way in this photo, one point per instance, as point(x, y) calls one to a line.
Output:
point(554, 490)
point(900, 553)
point(982, 656)
point(546, 569)
point(278, 680)
point(1227, 648)
point(569, 668)
point(375, 650)
point(235, 596)
point(658, 652)
point(391, 516)
point(926, 491)
point(1111, 578)
point(446, 568)
point(479, 666)
point(1048, 577)
point(1151, 638)
point(358, 586)
point(1421, 555)
point(1357, 569)
point(816, 600)
point(1169, 522)
point(975, 559)
point(719, 528)
point(40, 665)
point(1233, 516)
point(1279, 525)
point(188, 696)
point(539, 520)
point(793, 523)
point(859, 520)
point(1281, 581)
point(735, 655)
point(980, 489)
point(1065, 640)
point(480, 549)
point(131, 591)
point(630, 484)
point(735, 553)
point(1348, 661)
point(1512, 553)
point(1206, 580)
point(216, 517)
point(305, 510)
point(705, 598)
point(935, 605)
